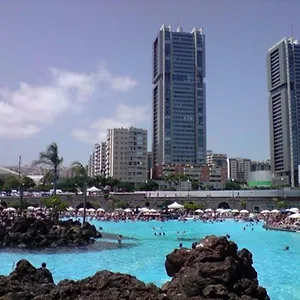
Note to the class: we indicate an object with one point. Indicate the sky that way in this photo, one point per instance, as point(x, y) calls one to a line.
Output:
point(71, 69)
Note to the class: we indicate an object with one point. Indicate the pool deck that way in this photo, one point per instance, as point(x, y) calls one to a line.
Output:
point(268, 227)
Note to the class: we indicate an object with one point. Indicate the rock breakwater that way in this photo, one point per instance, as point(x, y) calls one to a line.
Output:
point(33, 233)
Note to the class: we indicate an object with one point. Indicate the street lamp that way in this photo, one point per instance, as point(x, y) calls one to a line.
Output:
point(282, 187)
point(232, 187)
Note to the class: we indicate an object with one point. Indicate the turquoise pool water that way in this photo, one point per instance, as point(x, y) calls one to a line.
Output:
point(278, 270)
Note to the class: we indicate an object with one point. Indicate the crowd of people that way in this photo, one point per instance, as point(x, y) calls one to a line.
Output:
point(288, 219)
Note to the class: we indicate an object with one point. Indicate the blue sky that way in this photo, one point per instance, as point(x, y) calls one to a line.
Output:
point(71, 69)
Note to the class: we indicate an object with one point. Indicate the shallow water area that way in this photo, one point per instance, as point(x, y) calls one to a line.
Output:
point(277, 269)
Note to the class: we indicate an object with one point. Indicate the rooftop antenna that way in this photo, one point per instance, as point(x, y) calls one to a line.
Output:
point(177, 19)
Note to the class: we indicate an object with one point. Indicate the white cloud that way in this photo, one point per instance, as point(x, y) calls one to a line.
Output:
point(125, 116)
point(26, 110)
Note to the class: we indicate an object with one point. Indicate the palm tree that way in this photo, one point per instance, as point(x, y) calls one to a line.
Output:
point(81, 171)
point(51, 159)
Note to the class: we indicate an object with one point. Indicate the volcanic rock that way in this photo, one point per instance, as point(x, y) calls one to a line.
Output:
point(26, 282)
point(33, 233)
point(214, 269)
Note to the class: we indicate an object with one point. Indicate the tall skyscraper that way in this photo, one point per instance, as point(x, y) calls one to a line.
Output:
point(284, 109)
point(179, 100)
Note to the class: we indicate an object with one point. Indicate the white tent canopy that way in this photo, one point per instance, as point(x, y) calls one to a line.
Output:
point(93, 189)
point(175, 205)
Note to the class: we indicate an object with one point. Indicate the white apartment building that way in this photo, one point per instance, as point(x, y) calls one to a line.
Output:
point(97, 161)
point(91, 165)
point(126, 154)
point(239, 169)
point(102, 160)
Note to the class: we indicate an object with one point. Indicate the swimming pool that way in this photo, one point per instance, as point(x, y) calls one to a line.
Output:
point(278, 270)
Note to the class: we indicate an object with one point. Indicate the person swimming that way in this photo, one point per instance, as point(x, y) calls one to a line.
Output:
point(120, 238)
point(286, 248)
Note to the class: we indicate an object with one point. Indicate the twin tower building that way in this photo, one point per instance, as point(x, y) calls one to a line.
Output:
point(179, 110)
point(179, 102)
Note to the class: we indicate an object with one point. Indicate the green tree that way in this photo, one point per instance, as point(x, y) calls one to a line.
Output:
point(11, 183)
point(81, 172)
point(282, 204)
point(243, 204)
point(192, 206)
point(56, 204)
point(232, 185)
point(28, 183)
point(51, 159)
point(1, 183)
point(127, 187)
point(150, 185)
point(195, 185)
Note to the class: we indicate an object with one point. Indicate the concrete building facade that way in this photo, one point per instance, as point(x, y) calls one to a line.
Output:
point(260, 178)
point(179, 97)
point(126, 154)
point(260, 165)
point(97, 161)
point(283, 64)
point(239, 169)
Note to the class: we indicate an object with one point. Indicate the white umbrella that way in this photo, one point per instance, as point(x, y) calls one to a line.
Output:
point(91, 210)
point(275, 211)
point(294, 216)
point(266, 211)
point(219, 210)
point(235, 211)
point(38, 208)
point(199, 211)
point(30, 208)
point(208, 210)
point(175, 205)
point(244, 211)
point(10, 209)
point(153, 210)
point(81, 209)
point(70, 208)
point(101, 210)
point(93, 189)
point(144, 209)
point(128, 210)
point(294, 210)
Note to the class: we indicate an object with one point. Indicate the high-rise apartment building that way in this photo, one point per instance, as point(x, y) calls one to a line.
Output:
point(284, 110)
point(239, 169)
point(97, 161)
point(179, 98)
point(126, 154)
